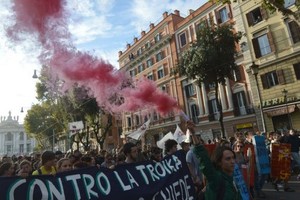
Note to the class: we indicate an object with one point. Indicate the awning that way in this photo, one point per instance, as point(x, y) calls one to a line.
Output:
point(283, 110)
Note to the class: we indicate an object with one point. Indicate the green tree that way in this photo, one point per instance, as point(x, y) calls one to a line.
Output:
point(211, 59)
point(273, 5)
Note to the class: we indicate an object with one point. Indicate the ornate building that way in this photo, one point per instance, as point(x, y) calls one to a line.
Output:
point(13, 139)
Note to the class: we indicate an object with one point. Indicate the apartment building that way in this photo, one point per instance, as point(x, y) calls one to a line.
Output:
point(153, 55)
point(235, 95)
point(274, 45)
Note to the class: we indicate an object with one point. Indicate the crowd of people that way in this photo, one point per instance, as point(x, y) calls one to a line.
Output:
point(212, 174)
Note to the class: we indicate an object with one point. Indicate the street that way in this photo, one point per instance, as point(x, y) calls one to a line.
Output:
point(272, 194)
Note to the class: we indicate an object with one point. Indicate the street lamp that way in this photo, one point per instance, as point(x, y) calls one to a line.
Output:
point(285, 92)
point(254, 70)
point(35, 76)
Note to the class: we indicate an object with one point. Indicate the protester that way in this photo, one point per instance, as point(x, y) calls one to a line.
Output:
point(63, 165)
point(48, 164)
point(218, 170)
point(155, 154)
point(7, 169)
point(108, 161)
point(170, 147)
point(131, 152)
point(25, 169)
point(194, 168)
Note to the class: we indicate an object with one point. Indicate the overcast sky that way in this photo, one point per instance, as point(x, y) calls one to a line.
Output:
point(103, 27)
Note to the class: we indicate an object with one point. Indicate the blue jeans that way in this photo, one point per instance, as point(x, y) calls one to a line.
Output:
point(296, 158)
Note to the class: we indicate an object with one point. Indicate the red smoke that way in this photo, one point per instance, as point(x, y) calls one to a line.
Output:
point(46, 19)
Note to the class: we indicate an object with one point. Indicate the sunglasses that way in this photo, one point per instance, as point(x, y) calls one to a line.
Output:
point(241, 146)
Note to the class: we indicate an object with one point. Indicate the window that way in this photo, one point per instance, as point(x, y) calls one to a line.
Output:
point(256, 16)
point(297, 70)
point(132, 72)
point(147, 45)
point(239, 101)
point(157, 37)
point(9, 148)
point(21, 148)
point(150, 76)
point(155, 116)
point(131, 56)
point(222, 15)
point(159, 56)
point(129, 122)
point(139, 51)
point(149, 62)
point(195, 113)
point(28, 149)
point(182, 39)
point(137, 119)
point(263, 44)
point(140, 68)
point(164, 88)
point(213, 110)
point(160, 73)
point(189, 90)
point(21, 136)
point(272, 79)
point(8, 137)
point(294, 30)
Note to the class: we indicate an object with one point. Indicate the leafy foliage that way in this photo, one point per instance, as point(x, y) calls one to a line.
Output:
point(211, 59)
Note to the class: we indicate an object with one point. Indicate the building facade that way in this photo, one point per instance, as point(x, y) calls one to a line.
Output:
point(13, 139)
point(274, 45)
point(153, 55)
point(235, 95)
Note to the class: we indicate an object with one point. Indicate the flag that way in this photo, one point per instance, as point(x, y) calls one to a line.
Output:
point(179, 136)
point(140, 131)
point(74, 127)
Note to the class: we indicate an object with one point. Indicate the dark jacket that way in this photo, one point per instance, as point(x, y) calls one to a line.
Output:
point(215, 178)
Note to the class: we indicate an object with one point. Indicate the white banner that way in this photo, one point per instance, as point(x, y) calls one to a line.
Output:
point(140, 131)
point(74, 127)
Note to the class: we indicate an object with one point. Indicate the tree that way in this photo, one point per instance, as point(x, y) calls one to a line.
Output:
point(56, 109)
point(273, 5)
point(211, 59)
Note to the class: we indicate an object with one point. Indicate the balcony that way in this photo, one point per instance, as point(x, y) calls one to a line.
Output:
point(244, 110)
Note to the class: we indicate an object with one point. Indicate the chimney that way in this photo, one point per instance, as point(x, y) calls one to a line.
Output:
point(135, 39)
point(120, 53)
point(176, 12)
point(151, 26)
point(165, 15)
point(191, 11)
point(128, 46)
point(143, 33)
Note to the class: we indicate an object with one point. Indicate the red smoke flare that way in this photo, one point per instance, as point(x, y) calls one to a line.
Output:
point(46, 19)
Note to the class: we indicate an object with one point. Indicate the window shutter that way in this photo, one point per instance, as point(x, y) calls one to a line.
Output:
point(244, 98)
point(295, 31)
point(280, 75)
point(187, 91)
point(264, 13)
point(228, 8)
point(218, 17)
point(237, 74)
point(264, 81)
point(297, 70)
point(271, 41)
point(236, 110)
point(256, 47)
point(249, 19)
point(211, 116)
